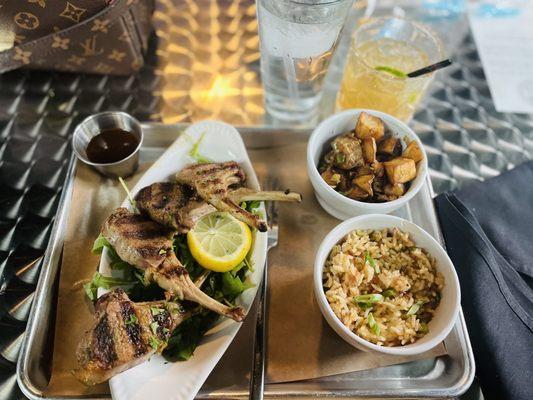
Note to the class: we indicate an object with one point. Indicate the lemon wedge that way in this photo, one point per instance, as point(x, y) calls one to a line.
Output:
point(219, 242)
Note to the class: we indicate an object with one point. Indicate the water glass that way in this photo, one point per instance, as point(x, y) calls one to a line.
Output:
point(297, 39)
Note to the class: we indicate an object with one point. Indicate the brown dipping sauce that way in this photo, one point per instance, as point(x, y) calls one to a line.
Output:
point(111, 145)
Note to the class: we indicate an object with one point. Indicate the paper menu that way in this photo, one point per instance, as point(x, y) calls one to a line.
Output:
point(503, 33)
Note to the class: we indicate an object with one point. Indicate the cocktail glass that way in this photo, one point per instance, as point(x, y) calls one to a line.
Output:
point(382, 52)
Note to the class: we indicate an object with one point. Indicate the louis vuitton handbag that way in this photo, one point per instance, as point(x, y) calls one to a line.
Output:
point(92, 36)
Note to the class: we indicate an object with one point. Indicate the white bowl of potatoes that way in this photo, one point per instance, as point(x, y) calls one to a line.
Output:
point(364, 162)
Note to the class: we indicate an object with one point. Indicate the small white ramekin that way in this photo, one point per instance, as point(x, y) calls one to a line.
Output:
point(333, 202)
point(447, 311)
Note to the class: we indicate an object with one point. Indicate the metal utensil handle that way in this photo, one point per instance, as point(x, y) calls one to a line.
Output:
point(257, 378)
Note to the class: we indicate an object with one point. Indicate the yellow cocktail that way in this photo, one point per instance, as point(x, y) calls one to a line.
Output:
point(381, 55)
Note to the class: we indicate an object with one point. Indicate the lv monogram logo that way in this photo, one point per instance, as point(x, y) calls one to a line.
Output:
point(89, 47)
point(22, 56)
point(60, 42)
point(26, 20)
point(72, 12)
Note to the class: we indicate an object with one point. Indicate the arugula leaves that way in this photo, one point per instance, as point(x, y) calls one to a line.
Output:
point(115, 261)
point(195, 151)
point(156, 311)
point(154, 342)
point(181, 248)
point(252, 206)
point(138, 288)
point(233, 286)
point(101, 281)
point(224, 287)
point(99, 244)
point(187, 336)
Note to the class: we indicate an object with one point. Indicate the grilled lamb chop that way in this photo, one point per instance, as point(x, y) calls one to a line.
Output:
point(148, 246)
point(172, 204)
point(179, 207)
point(124, 334)
point(213, 181)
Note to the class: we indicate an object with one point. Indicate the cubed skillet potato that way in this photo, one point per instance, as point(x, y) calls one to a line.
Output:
point(348, 152)
point(400, 170)
point(369, 126)
point(369, 149)
point(391, 146)
point(365, 182)
point(397, 190)
point(364, 170)
point(380, 180)
point(331, 177)
point(357, 193)
point(379, 169)
point(368, 164)
point(385, 197)
point(413, 152)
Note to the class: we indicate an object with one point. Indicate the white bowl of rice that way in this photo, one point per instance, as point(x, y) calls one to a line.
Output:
point(386, 285)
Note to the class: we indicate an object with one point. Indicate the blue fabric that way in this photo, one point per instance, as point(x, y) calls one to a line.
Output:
point(488, 229)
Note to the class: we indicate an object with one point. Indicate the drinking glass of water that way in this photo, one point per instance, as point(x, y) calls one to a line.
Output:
point(298, 38)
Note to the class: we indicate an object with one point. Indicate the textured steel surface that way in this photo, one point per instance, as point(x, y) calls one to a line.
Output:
point(38, 112)
point(209, 61)
point(204, 65)
point(465, 137)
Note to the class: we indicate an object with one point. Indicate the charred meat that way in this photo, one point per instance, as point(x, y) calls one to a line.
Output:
point(203, 189)
point(172, 204)
point(147, 245)
point(123, 335)
point(218, 183)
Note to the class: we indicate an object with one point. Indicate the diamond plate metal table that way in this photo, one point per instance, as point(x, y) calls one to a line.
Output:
point(202, 62)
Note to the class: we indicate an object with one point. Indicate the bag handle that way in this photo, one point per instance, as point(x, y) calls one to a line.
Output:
point(21, 55)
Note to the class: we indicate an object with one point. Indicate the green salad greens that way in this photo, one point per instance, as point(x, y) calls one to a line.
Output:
point(195, 151)
point(224, 287)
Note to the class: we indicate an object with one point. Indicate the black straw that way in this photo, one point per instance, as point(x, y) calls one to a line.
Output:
point(430, 68)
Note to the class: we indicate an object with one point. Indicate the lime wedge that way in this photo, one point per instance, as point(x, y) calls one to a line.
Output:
point(390, 70)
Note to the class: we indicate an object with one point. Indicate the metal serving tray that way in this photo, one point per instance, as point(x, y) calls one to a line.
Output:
point(443, 377)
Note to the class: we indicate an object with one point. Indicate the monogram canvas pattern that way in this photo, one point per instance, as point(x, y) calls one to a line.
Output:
point(72, 12)
point(33, 19)
point(23, 56)
point(95, 36)
point(26, 20)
